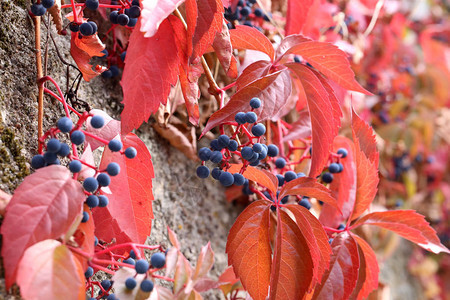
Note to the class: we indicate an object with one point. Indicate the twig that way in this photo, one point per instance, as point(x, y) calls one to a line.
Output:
point(374, 19)
point(37, 45)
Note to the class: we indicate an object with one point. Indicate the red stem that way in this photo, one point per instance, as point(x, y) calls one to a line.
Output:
point(62, 101)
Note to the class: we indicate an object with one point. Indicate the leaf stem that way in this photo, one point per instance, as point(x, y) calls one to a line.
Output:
point(37, 45)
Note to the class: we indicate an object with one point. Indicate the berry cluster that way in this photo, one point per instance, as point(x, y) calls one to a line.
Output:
point(39, 9)
point(126, 17)
point(54, 148)
point(246, 13)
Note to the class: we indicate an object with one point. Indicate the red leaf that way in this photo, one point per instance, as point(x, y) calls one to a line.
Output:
point(48, 270)
point(148, 74)
point(273, 90)
point(291, 261)
point(204, 19)
point(287, 43)
point(308, 187)
point(343, 187)
point(129, 211)
point(246, 37)
point(364, 134)
point(316, 237)
point(224, 51)
point(205, 262)
point(324, 124)
point(301, 129)
point(253, 72)
point(109, 131)
point(296, 14)
point(329, 60)
point(340, 280)
point(82, 50)
point(262, 177)
point(43, 207)
point(408, 224)
point(154, 13)
point(369, 260)
point(249, 251)
point(85, 234)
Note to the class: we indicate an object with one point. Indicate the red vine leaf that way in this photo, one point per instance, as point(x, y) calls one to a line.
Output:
point(48, 270)
point(364, 134)
point(55, 12)
point(128, 216)
point(44, 206)
point(262, 177)
point(300, 129)
point(109, 131)
point(324, 124)
point(329, 60)
point(154, 13)
point(85, 234)
point(224, 51)
point(291, 261)
point(368, 281)
point(409, 225)
point(340, 281)
point(297, 11)
point(249, 251)
point(82, 50)
point(254, 71)
point(308, 187)
point(246, 37)
point(148, 74)
point(273, 90)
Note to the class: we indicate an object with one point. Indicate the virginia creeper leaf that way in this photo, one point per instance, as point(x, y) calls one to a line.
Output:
point(409, 225)
point(309, 187)
point(363, 133)
point(300, 129)
point(291, 261)
point(82, 50)
point(297, 11)
point(119, 278)
point(224, 51)
point(273, 90)
point(254, 71)
point(340, 280)
point(44, 206)
point(153, 14)
point(262, 177)
point(128, 216)
point(110, 130)
point(249, 251)
point(205, 262)
point(246, 37)
point(148, 74)
point(371, 269)
point(48, 270)
point(324, 126)
point(55, 12)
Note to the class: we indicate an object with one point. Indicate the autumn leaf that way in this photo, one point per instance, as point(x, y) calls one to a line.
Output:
point(82, 50)
point(48, 270)
point(369, 266)
point(340, 280)
point(273, 90)
point(409, 225)
point(44, 206)
point(364, 134)
point(109, 130)
point(55, 12)
point(224, 51)
point(154, 13)
point(148, 74)
point(249, 250)
point(182, 140)
point(128, 216)
point(120, 289)
point(297, 10)
point(246, 37)
point(254, 71)
point(300, 129)
point(262, 177)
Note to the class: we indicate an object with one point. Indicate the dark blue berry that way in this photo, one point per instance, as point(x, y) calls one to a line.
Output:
point(255, 103)
point(268, 196)
point(102, 201)
point(97, 121)
point(233, 145)
point(280, 163)
point(107, 74)
point(38, 9)
point(343, 152)
point(132, 254)
point(94, 26)
point(90, 184)
point(257, 147)
point(263, 154)
point(272, 150)
point(289, 176)
point(89, 272)
point(132, 22)
point(327, 177)
point(305, 203)
point(141, 266)
point(92, 201)
point(224, 140)
point(258, 129)
point(123, 19)
point(254, 157)
point(37, 161)
point(215, 145)
point(245, 11)
point(226, 178)
point(130, 261)
point(85, 217)
point(203, 172)
point(130, 152)
point(111, 297)
point(123, 55)
point(241, 118)
point(251, 117)
point(113, 169)
point(92, 4)
point(215, 173)
point(53, 145)
point(114, 70)
point(258, 12)
point(246, 188)
point(74, 27)
point(273, 208)
point(216, 157)
point(75, 166)
point(50, 157)
point(130, 283)
point(86, 29)
point(77, 137)
point(106, 284)
point(47, 3)
point(134, 12)
point(146, 285)
point(56, 162)
point(341, 227)
point(330, 241)
point(301, 174)
point(297, 59)
point(64, 150)
point(158, 260)
point(247, 153)
point(248, 23)
point(334, 168)
point(341, 167)
point(95, 241)
point(255, 163)
point(113, 17)
point(284, 200)
point(115, 145)
point(280, 179)
point(103, 179)
point(239, 179)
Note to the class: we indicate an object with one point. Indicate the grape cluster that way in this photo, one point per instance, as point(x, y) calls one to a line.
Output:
point(246, 13)
point(41, 8)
